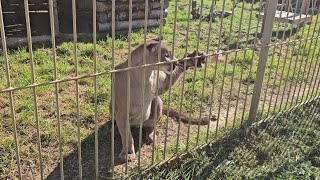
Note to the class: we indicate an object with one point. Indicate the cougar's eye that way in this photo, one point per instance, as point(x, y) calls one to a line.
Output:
point(167, 57)
point(168, 54)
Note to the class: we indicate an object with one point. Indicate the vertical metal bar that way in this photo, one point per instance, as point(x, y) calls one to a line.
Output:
point(290, 61)
point(242, 65)
point(314, 75)
point(5, 56)
point(56, 18)
point(277, 69)
point(188, 26)
point(233, 69)
point(184, 74)
point(219, 47)
point(272, 6)
point(128, 84)
point(157, 83)
point(315, 114)
point(312, 113)
point(282, 72)
point(26, 8)
point(166, 129)
point(193, 82)
point(155, 117)
point(204, 76)
point(112, 84)
point(56, 85)
point(15, 136)
point(300, 66)
point(173, 53)
point(75, 40)
point(273, 87)
point(250, 69)
point(294, 70)
point(272, 60)
point(317, 89)
point(309, 71)
point(143, 79)
point(174, 28)
point(211, 101)
point(306, 62)
point(96, 127)
point(214, 78)
point(318, 85)
point(180, 108)
point(4, 47)
point(312, 57)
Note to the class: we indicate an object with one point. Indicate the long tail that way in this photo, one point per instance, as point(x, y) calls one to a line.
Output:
point(185, 117)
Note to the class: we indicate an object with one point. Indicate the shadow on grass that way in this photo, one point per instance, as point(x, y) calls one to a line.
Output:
point(283, 146)
point(71, 166)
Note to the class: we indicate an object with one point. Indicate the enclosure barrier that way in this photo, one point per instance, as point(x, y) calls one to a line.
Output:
point(286, 74)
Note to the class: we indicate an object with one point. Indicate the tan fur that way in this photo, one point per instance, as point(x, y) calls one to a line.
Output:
point(152, 105)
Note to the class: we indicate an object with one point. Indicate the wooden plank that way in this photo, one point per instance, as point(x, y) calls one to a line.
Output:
point(11, 18)
point(83, 5)
point(18, 7)
point(133, 1)
point(84, 23)
point(13, 42)
point(16, 28)
point(86, 5)
point(103, 7)
point(288, 17)
point(165, 2)
point(124, 15)
point(120, 16)
point(124, 25)
point(22, 1)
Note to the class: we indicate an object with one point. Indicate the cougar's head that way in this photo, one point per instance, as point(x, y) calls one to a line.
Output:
point(153, 47)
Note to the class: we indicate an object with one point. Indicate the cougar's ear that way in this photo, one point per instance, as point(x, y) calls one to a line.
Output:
point(152, 47)
point(158, 38)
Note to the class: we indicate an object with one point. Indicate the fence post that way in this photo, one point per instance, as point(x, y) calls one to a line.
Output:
point(305, 6)
point(271, 6)
point(56, 18)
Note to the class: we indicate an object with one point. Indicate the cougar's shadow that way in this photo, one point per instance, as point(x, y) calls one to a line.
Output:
point(71, 165)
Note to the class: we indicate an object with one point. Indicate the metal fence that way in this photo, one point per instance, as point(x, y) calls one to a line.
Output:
point(274, 69)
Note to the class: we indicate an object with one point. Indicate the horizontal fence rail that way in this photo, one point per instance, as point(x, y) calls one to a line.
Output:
point(62, 112)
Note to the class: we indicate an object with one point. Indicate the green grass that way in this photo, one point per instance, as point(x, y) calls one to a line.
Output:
point(19, 64)
point(283, 147)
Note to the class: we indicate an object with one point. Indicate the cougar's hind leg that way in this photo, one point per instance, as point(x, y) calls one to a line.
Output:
point(149, 125)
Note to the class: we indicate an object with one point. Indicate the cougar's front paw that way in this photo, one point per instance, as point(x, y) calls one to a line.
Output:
point(194, 62)
point(131, 156)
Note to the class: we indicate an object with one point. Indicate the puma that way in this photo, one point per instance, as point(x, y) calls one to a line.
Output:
point(152, 103)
